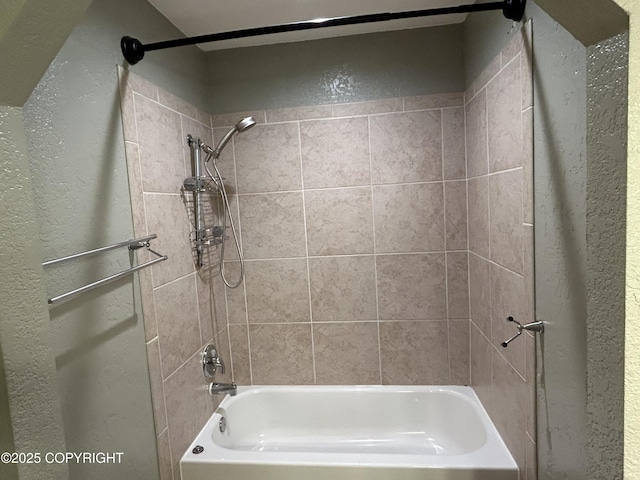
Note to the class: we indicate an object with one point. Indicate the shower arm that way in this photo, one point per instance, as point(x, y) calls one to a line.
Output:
point(134, 50)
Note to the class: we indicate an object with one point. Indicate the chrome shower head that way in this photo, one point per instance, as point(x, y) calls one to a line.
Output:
point(245, 124)
point(241, 126)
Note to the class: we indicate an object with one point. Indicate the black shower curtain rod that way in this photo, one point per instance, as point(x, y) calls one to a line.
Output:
point(133, 50)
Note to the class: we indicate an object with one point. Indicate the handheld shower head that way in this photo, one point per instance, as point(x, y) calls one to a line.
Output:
point(218, 180)
point(245, 124)
point(241, 126)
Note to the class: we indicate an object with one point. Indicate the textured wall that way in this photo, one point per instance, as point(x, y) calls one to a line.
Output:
point(607, 70)
point(499, 146)
point(578, 226)
point(589, 21)
point(82, 199)
point(344, 69)
point(28, 393)
point(8, 471)
point(586, 167)
point(632, 309)
point(24, 324)
point(31, 33)
point(631, 364)
point(484, 36)
point(561, 274)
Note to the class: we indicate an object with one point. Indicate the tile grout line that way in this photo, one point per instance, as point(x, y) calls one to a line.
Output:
point(163, 194)
point(135, 114)
point(306, 246)
point(495, 350)
point(486, 140)
point(159, 103)
point(466, 176)
point(138, 161)
point(348, 255)
point(522, 177)
point(375, 261)
point(191, 357)
point(446, 256)
point(197, 290)
point(349, 321)
point(488, 156)
point(493, 262)
point(226, 310)
point(499, 172)
point(164, 395)
point(239, 232)
point(349, 187)
point(171, 282)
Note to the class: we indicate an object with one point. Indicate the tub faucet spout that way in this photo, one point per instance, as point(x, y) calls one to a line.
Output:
point(221, 388)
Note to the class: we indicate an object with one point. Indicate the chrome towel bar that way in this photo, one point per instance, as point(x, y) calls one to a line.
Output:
point(133, 244)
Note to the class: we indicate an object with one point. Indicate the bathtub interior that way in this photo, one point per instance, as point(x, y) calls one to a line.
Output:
point(352, 420)
point(383, 432)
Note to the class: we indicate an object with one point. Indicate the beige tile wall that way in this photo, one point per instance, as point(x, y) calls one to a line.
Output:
point(183, 308)
point(498, 110)
point(356, 248)
point(372, 232)
point(353, 222)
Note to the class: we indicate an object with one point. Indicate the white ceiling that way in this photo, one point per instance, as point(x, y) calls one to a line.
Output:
point(200, 17)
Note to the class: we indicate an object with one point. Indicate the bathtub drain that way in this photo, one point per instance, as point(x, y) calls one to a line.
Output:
point(223, 424)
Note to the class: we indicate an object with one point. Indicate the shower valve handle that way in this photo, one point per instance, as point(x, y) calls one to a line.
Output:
point(211, 361)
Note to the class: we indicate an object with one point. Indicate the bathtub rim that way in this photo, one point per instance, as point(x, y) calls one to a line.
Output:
point(493, 455)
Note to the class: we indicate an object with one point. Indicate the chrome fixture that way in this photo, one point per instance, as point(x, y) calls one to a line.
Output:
point(201, 236)
point(132, 244)
point(222, 425)
point(212, 155)
point(221, 388)
point(532, 327)
point(211, 362)
point(204, 237)
point(243, 125)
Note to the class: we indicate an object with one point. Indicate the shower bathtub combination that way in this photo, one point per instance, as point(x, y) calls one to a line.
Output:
point(309, 313)
point(349, 432)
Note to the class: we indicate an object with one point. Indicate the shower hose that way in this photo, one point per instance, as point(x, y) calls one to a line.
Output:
point(217, 180)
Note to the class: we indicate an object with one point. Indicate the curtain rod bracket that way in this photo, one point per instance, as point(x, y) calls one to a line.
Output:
point(514, 9)
point(133, 50)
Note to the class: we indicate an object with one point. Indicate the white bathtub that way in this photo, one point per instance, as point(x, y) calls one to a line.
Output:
point(351, 433)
